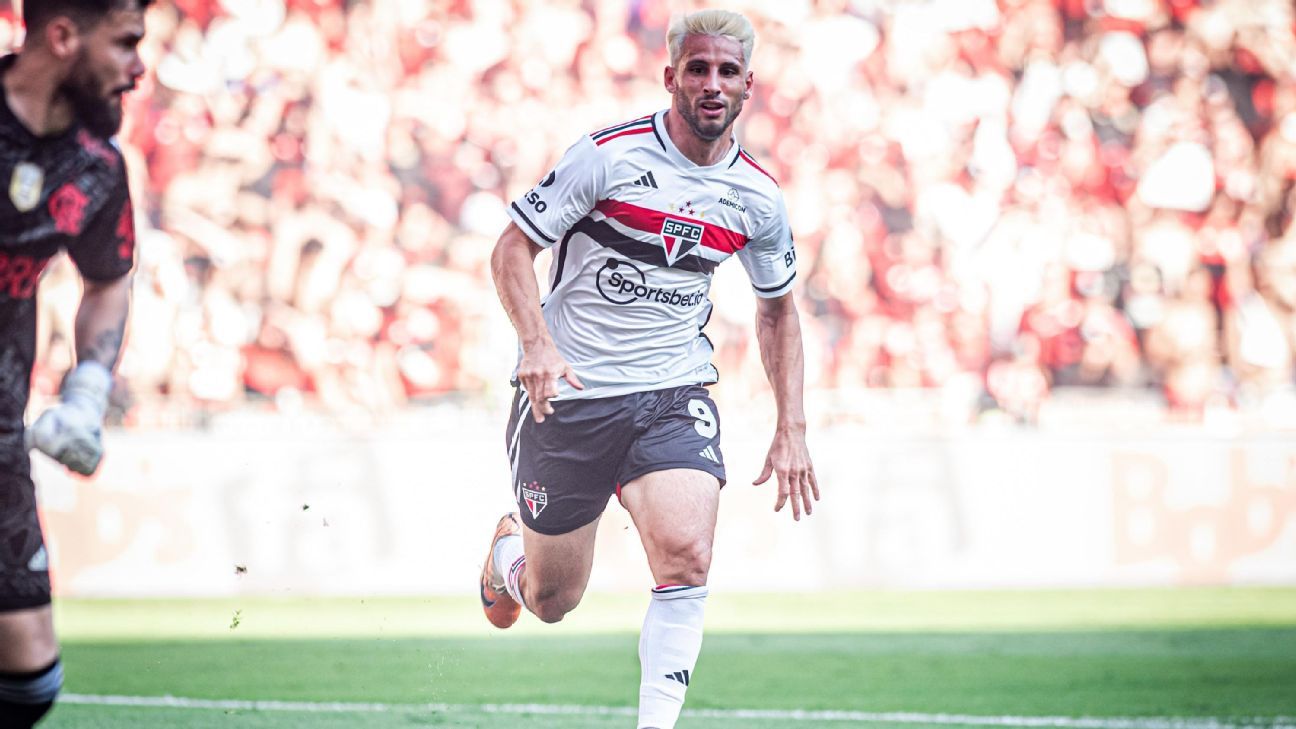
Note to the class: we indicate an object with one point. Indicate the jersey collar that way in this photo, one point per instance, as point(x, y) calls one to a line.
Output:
point(659, 126)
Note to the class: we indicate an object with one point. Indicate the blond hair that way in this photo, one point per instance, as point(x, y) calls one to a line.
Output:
point(710, 22)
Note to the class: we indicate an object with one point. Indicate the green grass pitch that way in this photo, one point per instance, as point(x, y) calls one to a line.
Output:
point(1110, 659)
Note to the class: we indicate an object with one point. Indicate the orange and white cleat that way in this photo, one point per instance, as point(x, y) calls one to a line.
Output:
point(500, 607)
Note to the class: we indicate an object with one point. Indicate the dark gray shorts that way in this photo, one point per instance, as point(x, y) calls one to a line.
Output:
point(24, 570)
point(566, 468)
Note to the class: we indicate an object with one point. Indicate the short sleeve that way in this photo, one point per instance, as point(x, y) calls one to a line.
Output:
point(105, 250)
point(564, 196)
point(770, 256)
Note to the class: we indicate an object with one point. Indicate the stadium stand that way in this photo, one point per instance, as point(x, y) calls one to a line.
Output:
point(996, 203)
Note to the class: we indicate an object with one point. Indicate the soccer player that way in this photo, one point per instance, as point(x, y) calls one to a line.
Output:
point(614, 364)
point(66, 189)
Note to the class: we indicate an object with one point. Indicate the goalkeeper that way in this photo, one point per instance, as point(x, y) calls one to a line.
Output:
point(64, 188)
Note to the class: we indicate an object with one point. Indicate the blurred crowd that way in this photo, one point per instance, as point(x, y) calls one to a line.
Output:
point(991, 199)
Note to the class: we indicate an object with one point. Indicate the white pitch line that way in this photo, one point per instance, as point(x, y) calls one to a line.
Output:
point(857, 717)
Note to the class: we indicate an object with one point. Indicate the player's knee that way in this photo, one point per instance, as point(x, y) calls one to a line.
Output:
point(687, 562)
point(26, 697)
point(552, 606)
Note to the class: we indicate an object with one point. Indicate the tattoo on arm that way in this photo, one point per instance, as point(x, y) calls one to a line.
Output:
point(105, 347)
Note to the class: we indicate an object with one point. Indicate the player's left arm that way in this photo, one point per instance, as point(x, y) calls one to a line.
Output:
point(778, 330)
point(770, 260)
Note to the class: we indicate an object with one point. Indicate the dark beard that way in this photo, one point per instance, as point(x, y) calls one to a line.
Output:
point(98, 115)
point(691, 118)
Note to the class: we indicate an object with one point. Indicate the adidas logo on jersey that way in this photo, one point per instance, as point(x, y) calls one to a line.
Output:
point(709, 454)
point(681, 676)
point(647, 180)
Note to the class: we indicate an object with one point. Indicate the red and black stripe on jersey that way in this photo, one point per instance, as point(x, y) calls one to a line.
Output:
point(742, 155)
point(642, 125)
point(605, 235)
point(649, 221)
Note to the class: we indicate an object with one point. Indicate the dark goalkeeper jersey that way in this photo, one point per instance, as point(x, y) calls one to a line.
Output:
point(61, 192)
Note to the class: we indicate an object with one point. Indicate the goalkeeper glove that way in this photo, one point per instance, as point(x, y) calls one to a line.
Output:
point(71, 432)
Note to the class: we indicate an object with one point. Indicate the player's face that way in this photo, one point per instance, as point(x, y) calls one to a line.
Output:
point(709, 84)
point(107, 65)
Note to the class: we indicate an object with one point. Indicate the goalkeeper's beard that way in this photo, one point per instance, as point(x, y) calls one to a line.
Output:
point(100, 114)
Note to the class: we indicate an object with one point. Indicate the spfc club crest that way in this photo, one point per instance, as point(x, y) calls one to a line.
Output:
point(535, 500)
point(679, 237)
point(25, 186)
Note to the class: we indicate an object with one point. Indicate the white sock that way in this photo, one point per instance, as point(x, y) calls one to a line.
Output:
point(509, 561)
point(668, 652)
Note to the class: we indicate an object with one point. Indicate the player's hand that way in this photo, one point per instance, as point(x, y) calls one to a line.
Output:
point(789, 459)
point(539, 370)
point(71, 432)
point(69, 435)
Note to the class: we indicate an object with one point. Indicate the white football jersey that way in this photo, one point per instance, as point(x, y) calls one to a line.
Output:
point(638, 230)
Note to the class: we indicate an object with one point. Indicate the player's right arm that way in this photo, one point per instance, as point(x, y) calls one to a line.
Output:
point(541, 218)
point(770, 260)
point(513, 268)
point(71, 431)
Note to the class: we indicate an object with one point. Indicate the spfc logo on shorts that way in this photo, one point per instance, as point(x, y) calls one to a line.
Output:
point(679, 237)
point(535, 500)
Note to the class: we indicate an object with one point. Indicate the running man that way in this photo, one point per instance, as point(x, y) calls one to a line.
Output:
point(66, 189)
point(613, 365)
